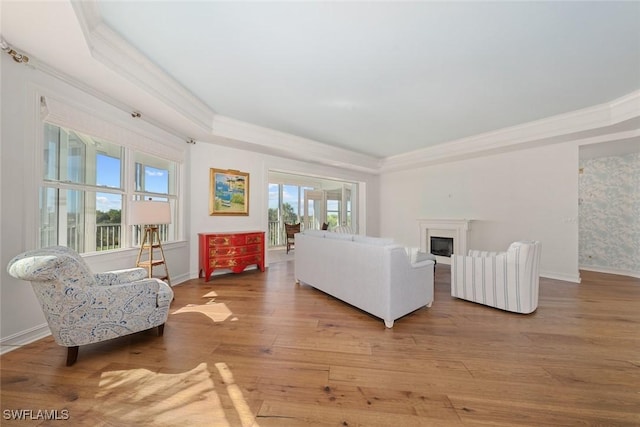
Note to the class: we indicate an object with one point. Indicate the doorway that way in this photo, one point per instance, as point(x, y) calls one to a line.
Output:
point(311, 201)
point(328, 208)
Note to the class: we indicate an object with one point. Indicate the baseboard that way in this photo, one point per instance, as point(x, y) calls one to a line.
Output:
point(629, 273)
point(15, 341)
point(176, 280)
point(219, 272)
point(561, 276)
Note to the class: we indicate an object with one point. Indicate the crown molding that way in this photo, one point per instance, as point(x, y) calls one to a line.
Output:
point(626, 107)
point(576, 125)
point(269, 141)
point(116, 53)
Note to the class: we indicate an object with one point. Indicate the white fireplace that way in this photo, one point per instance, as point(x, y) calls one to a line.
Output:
point(457, 229)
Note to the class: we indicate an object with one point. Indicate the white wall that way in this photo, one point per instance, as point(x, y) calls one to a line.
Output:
point(19, 309)
point(205, 156)
point(521, 195)
point(21, 317)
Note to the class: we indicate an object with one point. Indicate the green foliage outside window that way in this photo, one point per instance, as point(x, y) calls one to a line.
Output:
point(110, 217)
point(288, 214)
point(332, 220)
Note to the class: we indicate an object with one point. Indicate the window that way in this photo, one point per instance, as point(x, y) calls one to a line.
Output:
point(85, 188)
point(309, 200)
point(333, 213)
point(155, 179)
point(285, 207)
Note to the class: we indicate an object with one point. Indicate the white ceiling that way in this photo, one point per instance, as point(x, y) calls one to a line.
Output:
point(378, 78)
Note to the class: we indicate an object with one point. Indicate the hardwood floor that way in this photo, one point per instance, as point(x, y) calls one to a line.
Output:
point(256, 349)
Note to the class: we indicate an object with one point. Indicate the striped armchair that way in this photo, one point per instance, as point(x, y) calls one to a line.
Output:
point(82, 307)
point(504, 280)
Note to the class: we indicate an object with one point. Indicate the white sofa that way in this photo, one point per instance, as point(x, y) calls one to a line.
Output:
point(372, 274)
point(505, 280)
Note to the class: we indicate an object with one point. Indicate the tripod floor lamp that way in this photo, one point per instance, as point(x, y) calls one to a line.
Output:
point(150, 214)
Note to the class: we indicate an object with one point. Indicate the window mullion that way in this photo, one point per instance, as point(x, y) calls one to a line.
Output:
point(129, 184)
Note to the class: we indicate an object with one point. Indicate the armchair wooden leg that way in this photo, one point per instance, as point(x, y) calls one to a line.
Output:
point(72, 355)
point(160, 330)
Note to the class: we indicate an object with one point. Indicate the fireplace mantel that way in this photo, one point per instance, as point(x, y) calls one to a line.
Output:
point(459, 228)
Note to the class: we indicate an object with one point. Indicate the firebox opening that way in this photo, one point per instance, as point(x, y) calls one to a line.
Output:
point(442, 246)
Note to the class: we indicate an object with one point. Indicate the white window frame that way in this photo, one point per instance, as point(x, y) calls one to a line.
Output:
point(132, 139)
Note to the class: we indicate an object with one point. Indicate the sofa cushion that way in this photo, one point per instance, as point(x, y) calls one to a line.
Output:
point(315, 233)
point(375, 241)
point(339, 236)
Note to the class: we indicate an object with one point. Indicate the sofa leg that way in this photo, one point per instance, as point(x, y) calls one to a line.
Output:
point(72, 355)
point(161, 330)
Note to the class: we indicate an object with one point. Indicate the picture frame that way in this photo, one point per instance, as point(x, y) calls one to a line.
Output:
point(228, 192)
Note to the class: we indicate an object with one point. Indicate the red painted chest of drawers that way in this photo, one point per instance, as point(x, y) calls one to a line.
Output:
point(230, 250)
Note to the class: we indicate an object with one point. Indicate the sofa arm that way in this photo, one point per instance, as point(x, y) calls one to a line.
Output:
point(421, 264)
point(411, 284)
point(418, 258)
point(165, 294)
point(116, 277)
point(125, 290)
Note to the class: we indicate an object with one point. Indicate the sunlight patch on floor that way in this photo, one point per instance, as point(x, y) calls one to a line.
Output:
point(234, 392)
point(216, 311)
point(142, 397)
point(211, 294)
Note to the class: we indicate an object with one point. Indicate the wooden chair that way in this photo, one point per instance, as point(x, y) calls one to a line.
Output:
point(291, 230)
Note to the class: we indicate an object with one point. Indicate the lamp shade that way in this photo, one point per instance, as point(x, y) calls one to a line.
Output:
point(149, 212)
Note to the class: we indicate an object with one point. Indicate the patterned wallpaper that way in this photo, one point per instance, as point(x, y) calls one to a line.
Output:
point(609, 213)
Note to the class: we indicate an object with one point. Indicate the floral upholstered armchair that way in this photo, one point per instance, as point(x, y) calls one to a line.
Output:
point(82, 307)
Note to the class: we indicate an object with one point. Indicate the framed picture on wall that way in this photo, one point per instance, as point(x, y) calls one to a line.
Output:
point(228, 192)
